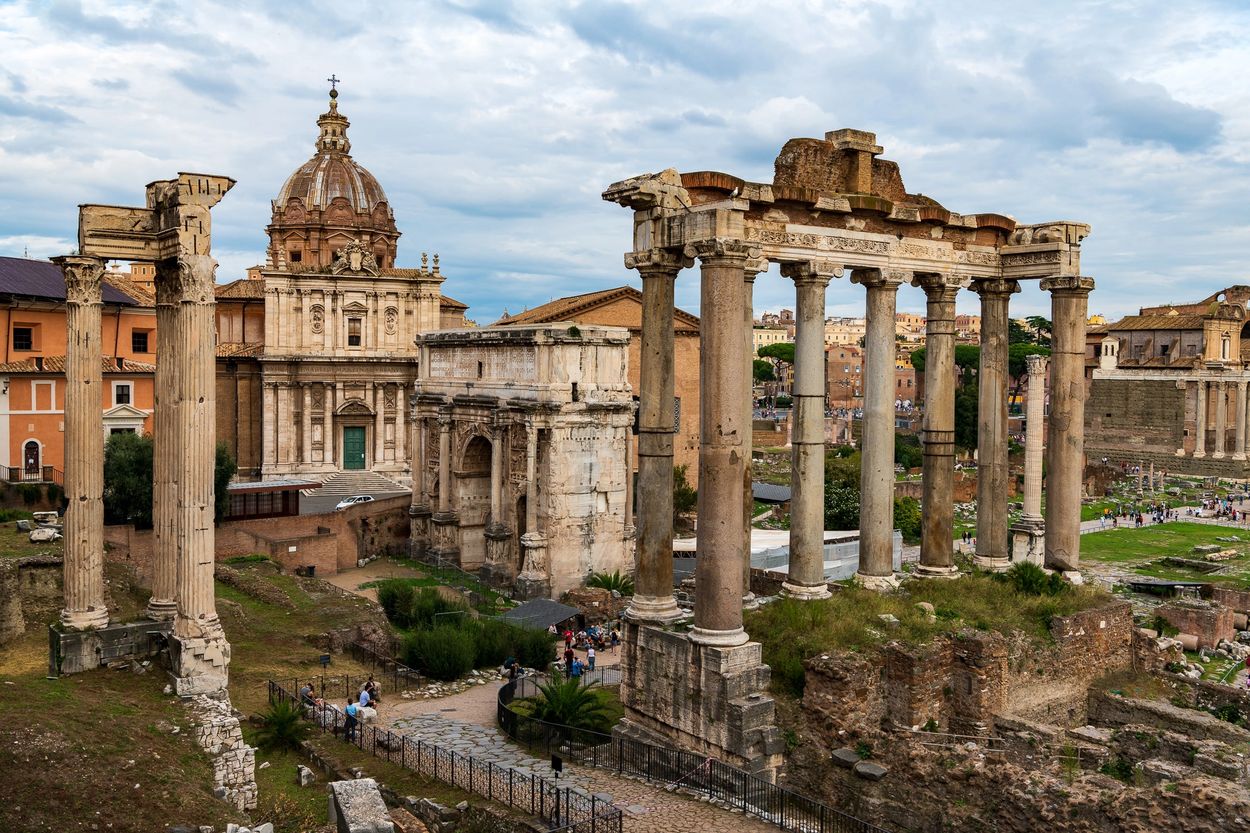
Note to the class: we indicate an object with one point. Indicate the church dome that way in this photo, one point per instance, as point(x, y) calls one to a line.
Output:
point(329, 201)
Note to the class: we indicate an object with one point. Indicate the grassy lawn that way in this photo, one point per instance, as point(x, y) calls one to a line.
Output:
point(15, 544)
point(431, 576)
point(1141, 550)
point(792, 631)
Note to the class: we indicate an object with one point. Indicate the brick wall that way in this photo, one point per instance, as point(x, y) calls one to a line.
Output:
point(1208, 621)
point(1236, 600)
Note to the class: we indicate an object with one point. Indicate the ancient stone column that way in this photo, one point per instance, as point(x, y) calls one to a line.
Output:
point(1239, 443)
point(806, 579)
point(722, 450)
point(748, 493)
point(327, 426)
point(306, 424)
point(1065, 451)
point(496, 477)
point(269, 437)
point(653, 573)
point(85, 607)
point(163, 604)
point(419, 509)
point(876, 483)
point(992, 473)
point(534, 580)
point(401, 405)
point(1035, 414)
point(444, 464)
point(937, 547)
point(1221, 418)
point(379, 424)
point(204, 654)
point(1200, 429)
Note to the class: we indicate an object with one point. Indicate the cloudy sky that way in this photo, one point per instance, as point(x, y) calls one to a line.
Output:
point(495, 126)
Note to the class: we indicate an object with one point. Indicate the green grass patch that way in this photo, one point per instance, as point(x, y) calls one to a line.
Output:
point(792, 631)
point(1143, 550)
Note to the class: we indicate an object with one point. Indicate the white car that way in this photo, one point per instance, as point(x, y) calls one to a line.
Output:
point(352, 501)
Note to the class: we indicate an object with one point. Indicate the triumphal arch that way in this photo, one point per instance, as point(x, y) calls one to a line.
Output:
point(834, 209)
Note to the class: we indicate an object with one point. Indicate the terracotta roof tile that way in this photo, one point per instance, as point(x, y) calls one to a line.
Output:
point(244, 289)
point(56, 365)
point(563, 309)
point(447, 302)
point(1158, 322)
point(123, 284)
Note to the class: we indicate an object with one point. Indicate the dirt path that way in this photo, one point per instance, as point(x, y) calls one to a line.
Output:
point(350, 580)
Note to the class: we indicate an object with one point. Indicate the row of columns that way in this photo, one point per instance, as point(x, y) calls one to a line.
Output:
point(279, 399)
point(1216, 393)
point(185, 448)
point(728, 268)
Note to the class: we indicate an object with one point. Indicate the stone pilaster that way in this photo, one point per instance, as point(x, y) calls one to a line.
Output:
point(163, 605)
point(937, 555)
point(876, 483)
point(992, 473)
point(445, 523)
point(722, 446)
point(419, 509)
point(1065, 452)
point(328, 437)
point(1200, 419)
point(1221, 419)
point(806, 578)
point(653, 576)
point(201, 655)
point(379, 424)
point(306, 424)
point(1239, 417)
point(85, 607)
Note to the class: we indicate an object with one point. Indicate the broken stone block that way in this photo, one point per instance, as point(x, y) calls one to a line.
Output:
point(43, 535)
point(870, 771)
point(845, 757)
point(888, 619)
point(304, 776)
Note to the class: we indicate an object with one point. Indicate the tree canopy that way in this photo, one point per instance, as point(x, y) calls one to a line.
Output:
point(967, 358)
point(763, 371)
point(128, 479)
point(782, 351)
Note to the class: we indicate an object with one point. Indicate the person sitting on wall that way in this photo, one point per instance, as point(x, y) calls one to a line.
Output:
point(307, 695)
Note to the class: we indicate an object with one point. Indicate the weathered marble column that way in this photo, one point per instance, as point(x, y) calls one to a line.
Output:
point(306, 424)
point(444, 463)
point(876, 482)
point(419, 509)
point(806, 578)
point(937, 547)
point(992, 473)
point(653, 573)
point(1239, 443)
point(496, 477)
point(1200, 429)
point(85, 606)
point(1065, 449)
point(1035, 415)
point(748, 493)
point(1221, 418)
point(534, 580)
point(163, 604)
point(204, 653)
point(722, 450)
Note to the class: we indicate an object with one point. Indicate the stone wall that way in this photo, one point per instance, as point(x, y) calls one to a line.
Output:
point(1235, 600)
point(234, 762)
point(12, 624)
point(30, 591)
point(1124, 418)
point(1209, 622)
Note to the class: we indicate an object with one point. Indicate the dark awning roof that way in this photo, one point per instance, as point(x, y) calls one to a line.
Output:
point(43, 279)
point(540, 613)
point(768, 493)
point(273, 486)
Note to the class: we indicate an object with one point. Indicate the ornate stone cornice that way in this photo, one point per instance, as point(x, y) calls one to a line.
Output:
point(1074, 284)
point(722, 251)
point(995, 286)
point(658, 260)
point(82, 278)
point(812, 271)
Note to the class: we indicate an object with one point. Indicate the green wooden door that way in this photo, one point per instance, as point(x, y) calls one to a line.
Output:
point(353, 447)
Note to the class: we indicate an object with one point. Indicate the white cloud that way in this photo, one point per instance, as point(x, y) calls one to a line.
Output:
point(494, 126)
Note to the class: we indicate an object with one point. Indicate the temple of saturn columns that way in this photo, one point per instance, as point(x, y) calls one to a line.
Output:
point(173, 232)
point(834, 207)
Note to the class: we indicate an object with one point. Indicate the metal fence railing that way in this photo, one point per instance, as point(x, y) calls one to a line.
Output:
point(399, 676)
point(42, 474)
point(673, 767)
point(562, 808)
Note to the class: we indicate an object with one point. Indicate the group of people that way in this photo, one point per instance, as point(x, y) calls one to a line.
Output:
point(358, 709)
point(1136, 515)
point(591, 640)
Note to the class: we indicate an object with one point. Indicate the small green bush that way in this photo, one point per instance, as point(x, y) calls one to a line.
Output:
point(7, 514)
point(429, 606)
point(493, 640)
point(1229, 713)
point(443, 653)
point(534, 648)
point(282, 727)
point(1031, 580)
point(54, 493)
point(1119, 768)
point(395, 597)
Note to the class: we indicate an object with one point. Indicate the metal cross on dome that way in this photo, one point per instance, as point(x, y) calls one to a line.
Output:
point(334, 81)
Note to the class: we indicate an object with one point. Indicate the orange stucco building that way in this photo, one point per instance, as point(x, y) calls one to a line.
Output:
point(32, 367)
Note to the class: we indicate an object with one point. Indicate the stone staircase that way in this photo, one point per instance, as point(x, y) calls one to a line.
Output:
point(346, 483)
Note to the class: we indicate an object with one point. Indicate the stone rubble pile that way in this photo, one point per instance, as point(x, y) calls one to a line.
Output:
point(439, 689)
point(234, 762)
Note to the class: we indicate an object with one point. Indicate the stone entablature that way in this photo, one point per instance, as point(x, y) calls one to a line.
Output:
point(519, 438)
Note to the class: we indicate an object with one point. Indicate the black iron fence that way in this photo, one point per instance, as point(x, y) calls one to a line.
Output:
point(720, 782)
point(42, 474)
point(562, 808)
point(399, 676)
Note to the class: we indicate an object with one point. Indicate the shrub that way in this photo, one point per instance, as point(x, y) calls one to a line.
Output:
point(1119, 768)
point(783, 401)
point(443, 653)
point(428, 604)
point(8, 514)
point(907, 518)
point(395, 597)
point(493, 641)
point(1031, 580)
point(1228, 713)
point(54, 493)
point(282, 727)
point(534, 648)
point(685, 497)
point(612, 581)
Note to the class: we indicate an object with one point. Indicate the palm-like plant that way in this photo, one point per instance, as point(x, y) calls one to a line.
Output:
point(569, 703)
point(622, 584)
point(282, 727)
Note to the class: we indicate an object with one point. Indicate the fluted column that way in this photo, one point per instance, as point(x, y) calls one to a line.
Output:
point(992, 470)
point(1065, 449)
point(379, 424)
point(653, 576)
point(1035, 414)
point(85, 607)
point(876, 489)
point(806, 578)
point(1239, 416)
point(937, 552)
point(1200, 429)
point(163, 604)
point(722, 464)
point(1221, 418)
point(306, 425)
point(751, 269)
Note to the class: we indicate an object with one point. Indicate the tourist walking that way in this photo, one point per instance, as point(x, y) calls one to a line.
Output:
point(568, 661)
point(349, 721)
point(590, 657)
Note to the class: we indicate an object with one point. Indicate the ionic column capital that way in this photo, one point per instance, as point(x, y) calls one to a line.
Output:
point(812, 271)
point(658, 261)
point(83, 276)
point(186, 279)
point(1068, 285)
point(995, 286)
point(880, 279)
point(722, 251)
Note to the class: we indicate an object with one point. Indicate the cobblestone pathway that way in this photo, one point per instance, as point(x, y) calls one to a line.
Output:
point(647, 808)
